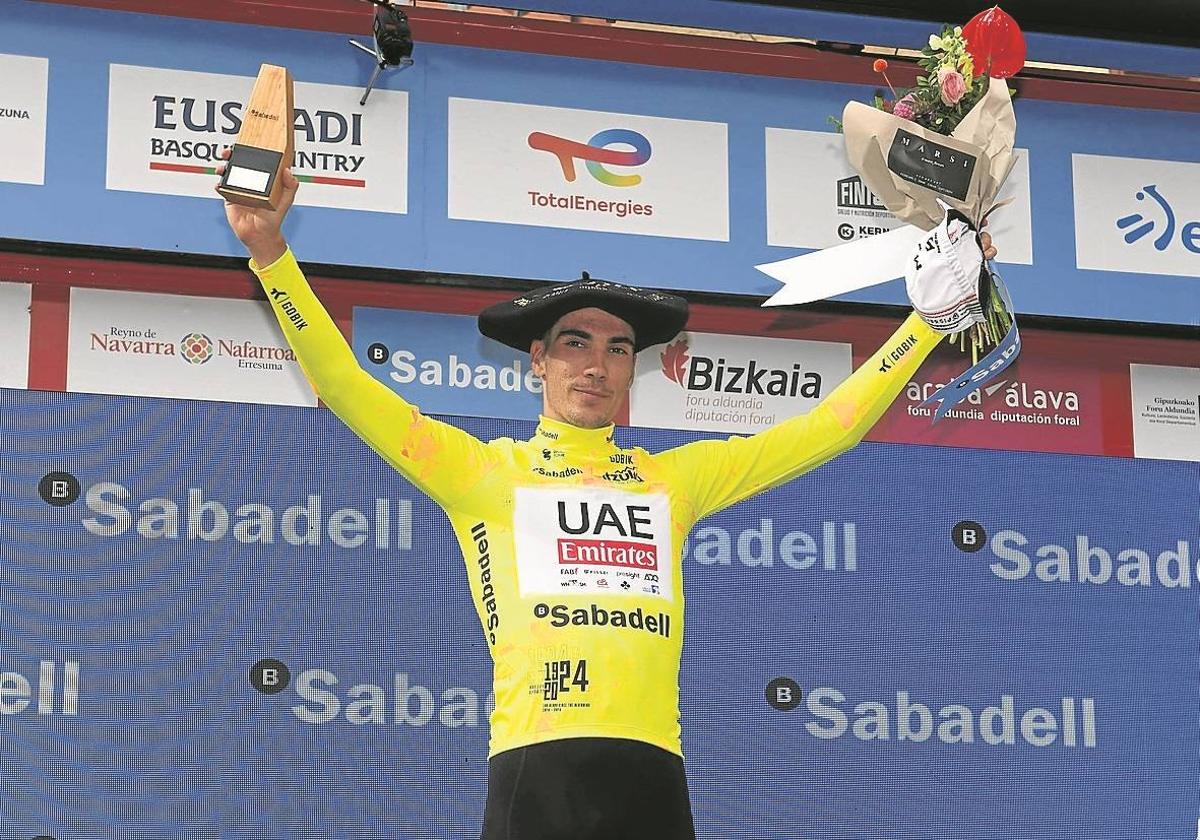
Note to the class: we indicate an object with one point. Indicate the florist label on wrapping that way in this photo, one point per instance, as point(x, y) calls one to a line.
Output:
point(931, 165)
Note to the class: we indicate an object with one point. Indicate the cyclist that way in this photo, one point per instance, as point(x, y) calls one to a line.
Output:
point(573, 543)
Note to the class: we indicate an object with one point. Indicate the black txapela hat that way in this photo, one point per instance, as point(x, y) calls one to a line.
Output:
point(656, 317)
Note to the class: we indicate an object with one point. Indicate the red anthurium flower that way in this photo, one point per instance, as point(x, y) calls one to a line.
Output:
point(995, 43)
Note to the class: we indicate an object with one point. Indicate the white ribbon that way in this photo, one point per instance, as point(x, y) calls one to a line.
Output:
point(843, 268)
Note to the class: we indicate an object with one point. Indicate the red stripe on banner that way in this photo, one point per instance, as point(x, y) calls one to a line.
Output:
point(49, 321)
point(181, 167)
point(130, 276)
point(325, 179)
point(1117, 415)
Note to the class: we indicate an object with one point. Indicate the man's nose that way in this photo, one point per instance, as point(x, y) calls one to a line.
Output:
point(597, 365)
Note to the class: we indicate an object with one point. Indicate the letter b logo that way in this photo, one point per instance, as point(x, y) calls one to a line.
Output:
point(969, 536)
point(270, 676)
point(58, 488)
point(378, 353)
point(784, 694)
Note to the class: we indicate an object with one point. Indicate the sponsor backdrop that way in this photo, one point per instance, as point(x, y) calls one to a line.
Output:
point(225, 620)
point(23, 118)
point(180, 346)
point(1166, 419)
point(348, 156)
point(491, 163)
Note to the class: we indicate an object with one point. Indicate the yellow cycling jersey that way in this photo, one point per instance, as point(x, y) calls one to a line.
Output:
point(573, 544)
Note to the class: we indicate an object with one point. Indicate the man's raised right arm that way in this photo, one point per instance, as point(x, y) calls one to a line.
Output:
point(444, 461)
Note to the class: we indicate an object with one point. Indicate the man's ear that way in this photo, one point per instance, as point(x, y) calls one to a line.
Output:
point(537, 352)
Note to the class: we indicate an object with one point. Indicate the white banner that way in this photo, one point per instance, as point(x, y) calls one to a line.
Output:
point(588, 170)
point(845, 268)
point(166, 129)
point(1166, 412)
point(14, 335)
point(1137, 215)
point(815, 199)
point(156, 345)
point(23, 95)
point(733, 383)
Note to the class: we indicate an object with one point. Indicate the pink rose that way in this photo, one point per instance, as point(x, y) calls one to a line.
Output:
point(952, 85)
point(905, 107)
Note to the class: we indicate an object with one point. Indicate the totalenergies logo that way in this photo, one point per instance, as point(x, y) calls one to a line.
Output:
point(595, 153)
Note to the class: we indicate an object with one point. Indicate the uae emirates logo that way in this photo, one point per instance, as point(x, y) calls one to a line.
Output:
point(196, 348)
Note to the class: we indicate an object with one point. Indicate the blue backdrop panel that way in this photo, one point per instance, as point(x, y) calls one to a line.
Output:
point(208, 538)
point(75, 206)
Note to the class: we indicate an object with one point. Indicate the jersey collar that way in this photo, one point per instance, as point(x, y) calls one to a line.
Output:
point(564, 436)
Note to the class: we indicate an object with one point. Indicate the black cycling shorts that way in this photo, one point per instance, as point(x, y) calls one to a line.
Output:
point(587, 789)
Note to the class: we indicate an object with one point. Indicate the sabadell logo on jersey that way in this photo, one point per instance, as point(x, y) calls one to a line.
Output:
point(724, 376)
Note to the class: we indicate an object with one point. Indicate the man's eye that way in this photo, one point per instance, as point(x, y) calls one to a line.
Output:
point(620, 350)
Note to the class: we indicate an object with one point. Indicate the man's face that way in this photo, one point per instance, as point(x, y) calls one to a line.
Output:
point(586, 366)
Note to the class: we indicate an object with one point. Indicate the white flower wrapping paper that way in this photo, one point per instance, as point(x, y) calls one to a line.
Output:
point(895, 155)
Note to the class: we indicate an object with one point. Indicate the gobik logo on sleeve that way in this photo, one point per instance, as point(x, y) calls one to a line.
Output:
point(592, 540)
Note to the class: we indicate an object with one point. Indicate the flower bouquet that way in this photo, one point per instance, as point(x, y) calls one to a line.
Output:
point(947, 142)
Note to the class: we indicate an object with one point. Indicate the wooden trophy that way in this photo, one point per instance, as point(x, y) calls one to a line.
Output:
point(264, 146)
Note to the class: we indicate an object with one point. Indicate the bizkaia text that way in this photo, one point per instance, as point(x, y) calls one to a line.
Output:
point(705, 374)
